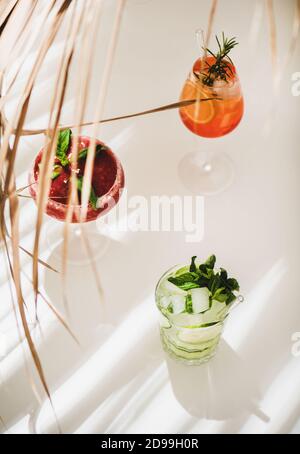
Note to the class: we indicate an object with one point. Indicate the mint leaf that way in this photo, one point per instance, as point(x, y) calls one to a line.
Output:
point(220, 295)
point(223, 274)
point(203, 281)
point(222, 288)
point(215, 283)
point(62, 147)
point(231, 297)
point(210, 262)
point(232, 284)
point(93, 198)
point(189, 285)
point(193, 267)
point(183, 279)
point(84, 152)
point(206, 271)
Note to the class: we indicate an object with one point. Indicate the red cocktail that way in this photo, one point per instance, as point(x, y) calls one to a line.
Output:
point(107, 184)
point(107, 181)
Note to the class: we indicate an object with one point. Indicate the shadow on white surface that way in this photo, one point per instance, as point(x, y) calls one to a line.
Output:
point(103, 383)
point(221, 389)
point(79, 299)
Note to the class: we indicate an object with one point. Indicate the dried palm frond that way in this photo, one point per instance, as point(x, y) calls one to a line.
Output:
point(73, 17)
point(51, 21)
point(6, 9)
point(296, 30)
point(11, 133)
point(295, 35)
point(273, 39)
point(164, 108)
point(8, 187)
point(51, 134)
point(87, 53)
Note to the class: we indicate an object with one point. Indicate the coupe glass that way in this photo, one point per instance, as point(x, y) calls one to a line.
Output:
point(189, 338)
point(220, 113)
point(85, 242)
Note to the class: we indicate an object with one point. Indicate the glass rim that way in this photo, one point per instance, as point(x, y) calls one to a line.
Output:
point(235, 80)
point(166, 273)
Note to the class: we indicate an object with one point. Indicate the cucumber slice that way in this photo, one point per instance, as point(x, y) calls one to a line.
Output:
point(200, 299)
point(187, 320)
point(199, 335)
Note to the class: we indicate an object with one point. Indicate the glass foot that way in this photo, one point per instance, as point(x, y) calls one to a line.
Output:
point(206, 177)
point(85, 243)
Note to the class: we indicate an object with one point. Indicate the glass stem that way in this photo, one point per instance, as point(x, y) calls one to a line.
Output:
point(207, 166)
point(204, 159)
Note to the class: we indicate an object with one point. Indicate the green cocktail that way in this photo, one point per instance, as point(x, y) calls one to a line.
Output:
point(194, 301)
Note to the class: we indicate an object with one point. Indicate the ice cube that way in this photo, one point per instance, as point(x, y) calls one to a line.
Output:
point(200, 299)
point(225, 90)
point(217, 312)
point(178, 303)
point(220, 83)
point(164, 301)
point(172, 289)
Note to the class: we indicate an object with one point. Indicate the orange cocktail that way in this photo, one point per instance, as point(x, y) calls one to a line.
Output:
point(223, 105)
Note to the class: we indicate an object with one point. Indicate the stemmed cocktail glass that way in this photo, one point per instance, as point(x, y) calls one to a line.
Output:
point(219, 107)
point(85, 242)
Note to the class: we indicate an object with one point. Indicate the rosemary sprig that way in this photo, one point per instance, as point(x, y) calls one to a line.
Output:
point(220, 69)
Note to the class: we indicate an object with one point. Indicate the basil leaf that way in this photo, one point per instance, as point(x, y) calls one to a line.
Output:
point(56, 172)
point(79, 183)
point(83, 153)
point(93, 198)
point(63, 143)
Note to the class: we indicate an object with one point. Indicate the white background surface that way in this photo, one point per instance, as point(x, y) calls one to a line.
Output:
point(119, 381)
